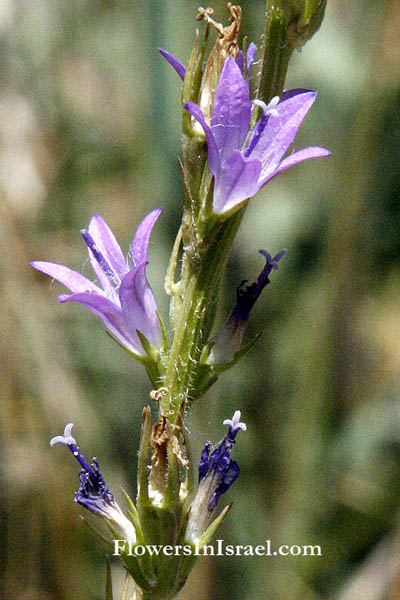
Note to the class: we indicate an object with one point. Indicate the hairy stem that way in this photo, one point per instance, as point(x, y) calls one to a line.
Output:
point(200, 281)
point(277, 52)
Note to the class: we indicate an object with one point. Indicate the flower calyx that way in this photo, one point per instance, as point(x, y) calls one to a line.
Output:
point(162, 488)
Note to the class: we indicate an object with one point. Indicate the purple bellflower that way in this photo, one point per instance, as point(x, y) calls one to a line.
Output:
point(229, 339)
point(217, 472)
point(243, 161)
point(93, 493)
point(125, 303)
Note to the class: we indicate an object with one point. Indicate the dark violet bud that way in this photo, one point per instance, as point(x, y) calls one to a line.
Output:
point(229, 339)
point(217, 472)
point(93, 493)
point(246, 298)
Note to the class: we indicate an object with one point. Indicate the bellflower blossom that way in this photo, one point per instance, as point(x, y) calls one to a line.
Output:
point(228, 340)
point(217, 472)
point(243, 161)
point(93, 493)
point(126, 303)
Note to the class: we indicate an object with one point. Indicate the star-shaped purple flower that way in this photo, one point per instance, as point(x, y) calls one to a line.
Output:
point(125, 303)
point(243, 161)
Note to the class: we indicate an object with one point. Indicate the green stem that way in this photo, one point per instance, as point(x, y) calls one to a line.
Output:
point(201, 277)
point(200, 282)
point(277, 52)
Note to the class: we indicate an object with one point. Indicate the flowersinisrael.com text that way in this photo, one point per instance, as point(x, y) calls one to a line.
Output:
point(217, 549)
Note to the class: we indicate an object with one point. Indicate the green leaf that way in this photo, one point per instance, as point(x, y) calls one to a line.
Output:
point(126, 586)
point(213, 527)
point(109, 592)
point(97, 533)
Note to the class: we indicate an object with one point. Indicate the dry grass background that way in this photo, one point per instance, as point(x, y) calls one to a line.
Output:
point(89, 121)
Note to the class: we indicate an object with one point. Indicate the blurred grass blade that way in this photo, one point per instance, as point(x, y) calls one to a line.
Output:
point(109, 593)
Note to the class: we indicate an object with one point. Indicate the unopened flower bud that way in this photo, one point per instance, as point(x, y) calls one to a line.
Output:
point(93, 493)
point(217, 472)
point(228, 340)
point(303, 18)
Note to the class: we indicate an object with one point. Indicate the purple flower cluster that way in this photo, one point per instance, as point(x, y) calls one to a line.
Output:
point(243, 155)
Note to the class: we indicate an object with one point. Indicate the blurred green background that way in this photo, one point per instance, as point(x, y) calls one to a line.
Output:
point(90, 122)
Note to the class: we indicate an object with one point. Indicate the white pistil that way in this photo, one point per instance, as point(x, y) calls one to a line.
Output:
point(64, 439)
point(234, 423)
point(268, 109)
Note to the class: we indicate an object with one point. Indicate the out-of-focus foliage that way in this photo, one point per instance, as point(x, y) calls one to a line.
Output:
point(89, 122)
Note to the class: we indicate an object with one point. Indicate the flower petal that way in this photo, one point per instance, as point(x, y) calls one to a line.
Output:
point(240, 60)
point(111, 315)
point(139, 307)
point(280, 131)
point(302, 155)
point(237, 181)
point(214, 160)
point(297, 157)
point(71, 279)
point(140, 242)
point(174, 62)
point(139, 310)
point(110, 249)
point(231, 111)
point(251, 54)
